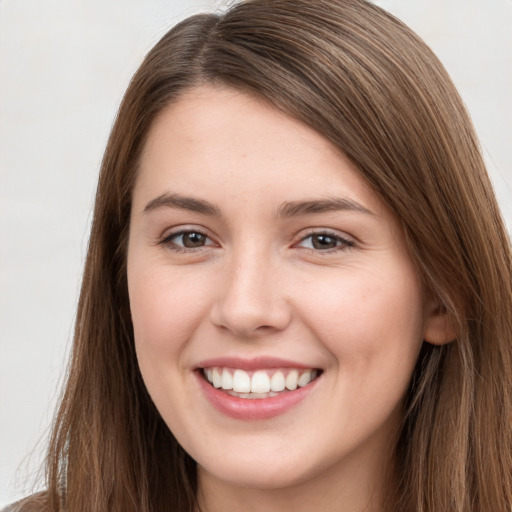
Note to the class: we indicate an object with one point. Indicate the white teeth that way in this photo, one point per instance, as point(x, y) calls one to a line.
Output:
point(260, 385)
point(260, 382)
point(253, 396)
point(227, 380)
point(216, 378)
point(277, 382)
point(292, 380)
point(304, 379)
point(241, 382)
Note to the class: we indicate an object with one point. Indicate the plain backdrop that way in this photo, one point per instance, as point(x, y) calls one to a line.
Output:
point(64, 65)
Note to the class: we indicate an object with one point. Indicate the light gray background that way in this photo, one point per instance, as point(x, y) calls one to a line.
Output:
point(64, 65)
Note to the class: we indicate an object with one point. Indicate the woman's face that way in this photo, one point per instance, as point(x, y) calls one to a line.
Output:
point(259, 261)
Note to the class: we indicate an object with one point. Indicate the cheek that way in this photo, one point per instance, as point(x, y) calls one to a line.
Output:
point(371, 322)
point(373, 330)
point(166, 309)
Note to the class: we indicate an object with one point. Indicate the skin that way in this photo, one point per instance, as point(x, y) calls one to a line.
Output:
point(258, 285)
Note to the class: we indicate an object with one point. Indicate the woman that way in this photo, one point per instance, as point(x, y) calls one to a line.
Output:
point(297, 293)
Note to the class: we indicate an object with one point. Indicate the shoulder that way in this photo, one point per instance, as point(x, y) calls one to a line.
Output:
point(34, 503)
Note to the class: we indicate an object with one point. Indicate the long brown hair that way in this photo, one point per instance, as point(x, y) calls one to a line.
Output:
point(368, 84)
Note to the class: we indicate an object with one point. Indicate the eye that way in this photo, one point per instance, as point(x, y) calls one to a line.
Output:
point(189, 239)
point(325, 242)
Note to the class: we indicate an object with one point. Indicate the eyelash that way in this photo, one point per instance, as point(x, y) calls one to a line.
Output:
point(343, 244)
point(167, 241)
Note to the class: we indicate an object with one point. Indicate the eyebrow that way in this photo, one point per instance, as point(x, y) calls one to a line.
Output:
point(296, 208)
point(287, 209)
point(183, 202)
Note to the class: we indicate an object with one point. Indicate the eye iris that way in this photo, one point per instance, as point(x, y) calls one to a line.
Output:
point(324, 242)
point(193, 239)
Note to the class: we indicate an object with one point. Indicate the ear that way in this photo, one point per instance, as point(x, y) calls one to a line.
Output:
point(440, 325)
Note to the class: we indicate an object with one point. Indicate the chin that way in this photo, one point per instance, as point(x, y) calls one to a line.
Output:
point(256, 474)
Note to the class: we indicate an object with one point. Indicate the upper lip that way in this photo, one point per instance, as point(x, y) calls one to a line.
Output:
point(256, 363)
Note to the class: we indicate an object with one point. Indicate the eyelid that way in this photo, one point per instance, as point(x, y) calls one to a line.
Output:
point(169, 234)
point(347, 242)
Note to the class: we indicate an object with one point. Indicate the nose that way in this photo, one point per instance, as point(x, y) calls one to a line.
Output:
point(250, 302)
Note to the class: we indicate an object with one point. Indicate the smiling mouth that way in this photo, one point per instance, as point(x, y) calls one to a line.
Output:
point(259, 383)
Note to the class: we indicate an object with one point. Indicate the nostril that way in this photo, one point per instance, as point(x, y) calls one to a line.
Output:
point(246, 320)
point(249, 302)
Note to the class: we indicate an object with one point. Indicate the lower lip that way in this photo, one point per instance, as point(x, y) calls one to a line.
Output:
point(253, 409)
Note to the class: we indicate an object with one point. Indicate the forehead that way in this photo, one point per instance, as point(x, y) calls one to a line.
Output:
point(226, 143)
